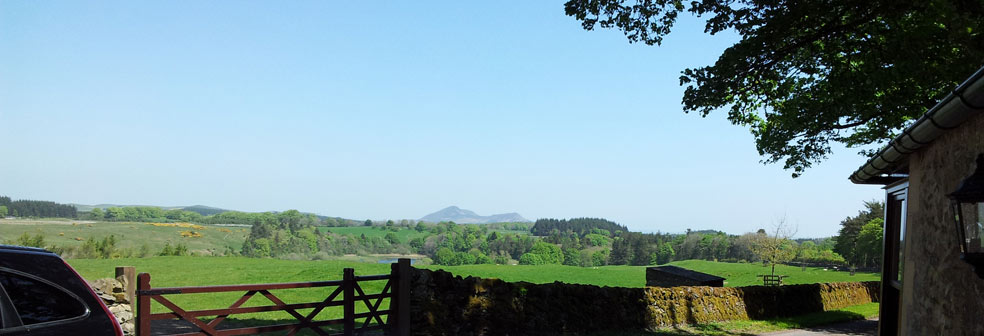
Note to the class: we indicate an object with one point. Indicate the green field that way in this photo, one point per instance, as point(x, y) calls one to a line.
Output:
point(65, 232)
point(635, 276)
point(404, 234)
point(198, 271)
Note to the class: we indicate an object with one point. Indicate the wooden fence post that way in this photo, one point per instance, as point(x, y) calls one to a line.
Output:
point(128, 276)
point(348, 297)
point(143, 305)
point(400, 303)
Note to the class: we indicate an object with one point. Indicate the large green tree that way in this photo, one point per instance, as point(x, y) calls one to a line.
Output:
point(805, 74)
point(870, 243)
point(847, 238)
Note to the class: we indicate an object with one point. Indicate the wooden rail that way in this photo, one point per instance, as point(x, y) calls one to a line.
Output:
point(347, 293)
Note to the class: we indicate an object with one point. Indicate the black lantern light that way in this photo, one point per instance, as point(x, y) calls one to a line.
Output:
point(968, 212)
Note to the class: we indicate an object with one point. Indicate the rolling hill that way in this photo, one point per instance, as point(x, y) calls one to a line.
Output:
point(463, 216)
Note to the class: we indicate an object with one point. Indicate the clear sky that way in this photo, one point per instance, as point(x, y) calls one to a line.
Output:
point(383, 110)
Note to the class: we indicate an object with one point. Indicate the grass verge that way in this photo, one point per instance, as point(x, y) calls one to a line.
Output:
point(735, 328)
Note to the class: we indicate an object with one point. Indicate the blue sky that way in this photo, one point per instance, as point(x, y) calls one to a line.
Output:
point(383, 111)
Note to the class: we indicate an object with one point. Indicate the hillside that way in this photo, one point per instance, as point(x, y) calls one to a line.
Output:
point(66, 233)
point(463, 216)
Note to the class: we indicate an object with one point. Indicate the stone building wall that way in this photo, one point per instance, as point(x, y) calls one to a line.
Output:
point(444, 304)
point(940, 294)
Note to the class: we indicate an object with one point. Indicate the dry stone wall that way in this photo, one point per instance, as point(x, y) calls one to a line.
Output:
point(111, 291)
point(689, 305)
point(444, 304)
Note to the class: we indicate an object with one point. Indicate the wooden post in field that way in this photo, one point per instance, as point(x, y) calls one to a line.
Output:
point(128, 276)
point(400, 303)
point(348, 304)
point(143, 305)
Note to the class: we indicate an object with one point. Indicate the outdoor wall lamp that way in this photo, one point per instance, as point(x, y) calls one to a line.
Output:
point(968, 211)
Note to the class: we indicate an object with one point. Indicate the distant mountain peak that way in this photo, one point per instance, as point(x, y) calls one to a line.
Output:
point(464, 216)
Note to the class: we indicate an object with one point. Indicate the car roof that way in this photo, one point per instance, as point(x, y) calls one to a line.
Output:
point(15, 248)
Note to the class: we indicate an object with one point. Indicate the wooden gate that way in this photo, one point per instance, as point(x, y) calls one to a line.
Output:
point(346, 293)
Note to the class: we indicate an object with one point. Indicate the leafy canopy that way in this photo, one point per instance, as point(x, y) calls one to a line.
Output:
point(806, 74)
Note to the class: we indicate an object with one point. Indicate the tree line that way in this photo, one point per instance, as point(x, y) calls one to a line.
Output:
point(32, 208)
point(582, 244)
point(581, 226)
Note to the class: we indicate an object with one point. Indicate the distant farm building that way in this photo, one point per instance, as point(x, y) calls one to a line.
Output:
point(672, 276)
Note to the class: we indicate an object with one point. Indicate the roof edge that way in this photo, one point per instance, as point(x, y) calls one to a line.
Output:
point(966, 101)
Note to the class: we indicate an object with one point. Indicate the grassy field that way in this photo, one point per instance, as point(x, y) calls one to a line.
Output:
point(635, 276)
point(404, 234)
point(65, 232)
point(225, 270)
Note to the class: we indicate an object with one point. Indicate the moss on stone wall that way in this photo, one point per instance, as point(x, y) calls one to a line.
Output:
point(689, 305)
point(444, 304)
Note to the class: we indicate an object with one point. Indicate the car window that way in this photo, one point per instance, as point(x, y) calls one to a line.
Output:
point(37, 301)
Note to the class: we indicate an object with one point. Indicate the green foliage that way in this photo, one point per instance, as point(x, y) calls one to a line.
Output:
point(581, 226)
point(96, 213)
point(663, 255)
point(392, 238)
point(178, 250)
point(3, 211)
point(600, 258)
point(818, 251)
point(572, 257)
point(870, 243)
point(531, 259)
point(32, 241)
point(93, 248)
point(481, 258)
point(793, 76)
point(446, 256)
point(542, 253)
point(501, 260)
point(594, 239)
point(847, 239)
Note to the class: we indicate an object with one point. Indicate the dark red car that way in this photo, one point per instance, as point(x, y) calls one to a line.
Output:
point(40, 294)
